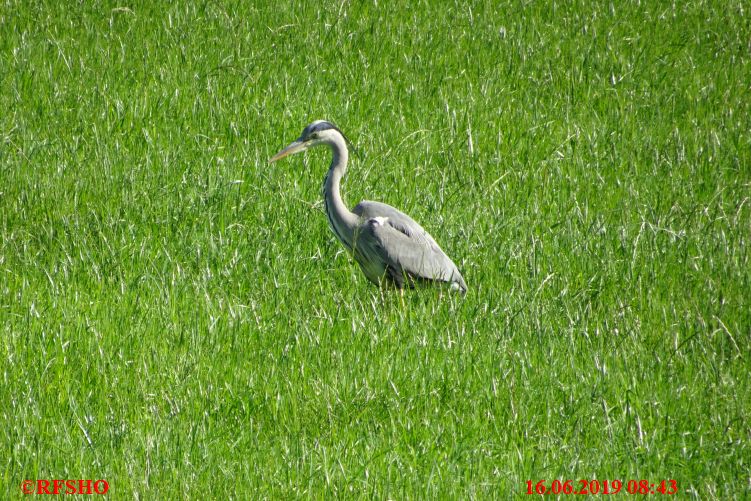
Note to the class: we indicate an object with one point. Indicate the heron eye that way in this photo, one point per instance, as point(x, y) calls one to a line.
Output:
point(314, 135)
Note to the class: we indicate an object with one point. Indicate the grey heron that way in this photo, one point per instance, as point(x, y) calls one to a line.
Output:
point(390, 247)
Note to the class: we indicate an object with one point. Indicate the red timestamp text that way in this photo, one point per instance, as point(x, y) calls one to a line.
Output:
point(665, 487)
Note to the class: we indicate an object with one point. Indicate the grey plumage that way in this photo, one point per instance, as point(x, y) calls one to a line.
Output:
point(390, 247)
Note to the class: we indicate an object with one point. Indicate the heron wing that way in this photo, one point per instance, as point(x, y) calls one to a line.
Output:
point(392, 243)
point(397, 219)
point(367, 209)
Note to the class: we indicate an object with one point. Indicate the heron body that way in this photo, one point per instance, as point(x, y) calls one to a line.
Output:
point(390, 247)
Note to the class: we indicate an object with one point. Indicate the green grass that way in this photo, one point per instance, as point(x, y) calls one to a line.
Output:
point(177, 318)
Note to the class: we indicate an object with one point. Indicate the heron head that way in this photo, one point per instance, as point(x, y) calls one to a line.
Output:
point(319, 132)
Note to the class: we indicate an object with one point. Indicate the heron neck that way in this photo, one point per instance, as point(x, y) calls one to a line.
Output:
point(342, 221)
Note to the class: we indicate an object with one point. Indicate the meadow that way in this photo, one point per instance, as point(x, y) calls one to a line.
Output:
point(177, 318)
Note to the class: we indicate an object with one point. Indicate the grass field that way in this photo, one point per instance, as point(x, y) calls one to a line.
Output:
point(177, 318)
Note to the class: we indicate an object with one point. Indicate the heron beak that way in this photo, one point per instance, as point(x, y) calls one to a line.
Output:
point(293, 148)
